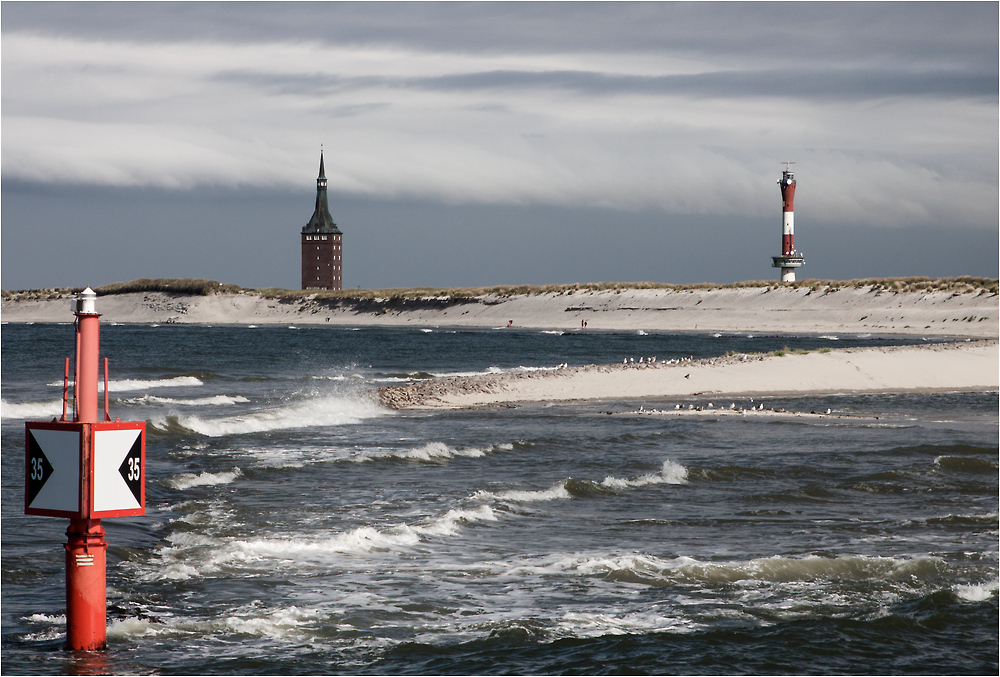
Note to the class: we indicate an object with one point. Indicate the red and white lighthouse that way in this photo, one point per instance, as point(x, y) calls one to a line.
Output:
point(789, 259)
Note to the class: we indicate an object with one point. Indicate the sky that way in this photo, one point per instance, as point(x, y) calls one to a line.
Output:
point(510, 143)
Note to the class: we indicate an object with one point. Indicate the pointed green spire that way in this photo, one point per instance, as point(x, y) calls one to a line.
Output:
point(321, 221)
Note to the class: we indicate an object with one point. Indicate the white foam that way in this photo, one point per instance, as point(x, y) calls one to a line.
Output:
point(555, 333)
point(214, 400)
point(432, 451)
point(671, 473)
point(287, 623)
point(448, 524)
point(490, 370)
point(830, 337)
point(977, 593)
point(46, 619)
point(776, 569)
point(555, 492)
point(188, 480)
point(56, 627)
point(600, 624)
point(138, 384)
point(328, 410)
point(141, 384)
point(191, 555)
point(30, 410)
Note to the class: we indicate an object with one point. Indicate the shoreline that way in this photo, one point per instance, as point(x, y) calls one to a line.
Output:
point(770, 310)
point(966, 366)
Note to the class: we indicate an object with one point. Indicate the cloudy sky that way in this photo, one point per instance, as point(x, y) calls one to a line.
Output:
point(480, 144)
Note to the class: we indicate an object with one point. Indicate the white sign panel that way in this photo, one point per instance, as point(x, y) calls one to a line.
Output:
point(117, 469)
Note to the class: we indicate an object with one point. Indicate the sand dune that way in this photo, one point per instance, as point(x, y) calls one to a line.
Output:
point(965, 366)
point(749, 309)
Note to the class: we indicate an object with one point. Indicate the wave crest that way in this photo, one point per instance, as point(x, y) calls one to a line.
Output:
point(670, 473)
point(213, 400)
point(431, 452)
point(30, 410)
point(330, 410)
point(189, 480)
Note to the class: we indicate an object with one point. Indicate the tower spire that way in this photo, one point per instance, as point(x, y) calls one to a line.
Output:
point(321, 221)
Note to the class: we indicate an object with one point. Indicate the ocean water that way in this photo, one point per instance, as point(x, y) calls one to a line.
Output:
point(294, 526)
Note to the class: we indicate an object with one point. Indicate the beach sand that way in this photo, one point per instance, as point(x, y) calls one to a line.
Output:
point(771, 310)
point(963, 366)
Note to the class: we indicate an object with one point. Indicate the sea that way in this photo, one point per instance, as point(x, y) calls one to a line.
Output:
point(294, 526)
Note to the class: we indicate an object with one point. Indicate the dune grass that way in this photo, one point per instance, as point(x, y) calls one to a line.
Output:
point(200, 287)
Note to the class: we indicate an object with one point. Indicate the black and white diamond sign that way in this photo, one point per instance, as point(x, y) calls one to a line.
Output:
point(52, 474)
point(85, 470)
point(118, 471)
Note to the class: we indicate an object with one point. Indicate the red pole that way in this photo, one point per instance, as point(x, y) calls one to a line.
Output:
point(107, 416)
point(65, 389)
point(86, 550)
point(76, 375)
point(89, 328)
point(86, 586)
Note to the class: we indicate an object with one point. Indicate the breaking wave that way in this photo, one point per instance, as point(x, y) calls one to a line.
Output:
point(555, 492)
point(140, 384)
point(433, 451)
point(191, 554)
point(651, 570)
point(671, 473)
point(30, 410)
point(977, 593)
point(328, 410)
point(193, 402)
point(188, 480)
point(291, 624)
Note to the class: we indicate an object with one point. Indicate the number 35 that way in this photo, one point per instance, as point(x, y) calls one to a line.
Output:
point(133, 469)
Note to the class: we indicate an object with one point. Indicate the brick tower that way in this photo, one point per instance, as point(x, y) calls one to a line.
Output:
point(321, 243)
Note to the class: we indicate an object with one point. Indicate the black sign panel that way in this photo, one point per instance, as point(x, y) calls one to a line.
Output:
point(131, 469)
point(39, 469)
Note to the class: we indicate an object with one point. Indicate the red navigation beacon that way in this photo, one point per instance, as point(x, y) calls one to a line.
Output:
point(85, 469)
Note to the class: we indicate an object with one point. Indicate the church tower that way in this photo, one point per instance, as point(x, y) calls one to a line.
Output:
point(321, 243)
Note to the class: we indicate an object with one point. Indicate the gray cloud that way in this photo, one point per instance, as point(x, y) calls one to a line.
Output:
point(805, 84)
point(902, 33)
point(659, 115)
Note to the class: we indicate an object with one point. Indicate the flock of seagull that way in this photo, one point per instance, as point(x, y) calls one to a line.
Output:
point(731, 407)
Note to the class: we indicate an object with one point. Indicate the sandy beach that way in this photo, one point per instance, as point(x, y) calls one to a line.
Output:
point(964, 366)
point(773, 310)
point(969, 365)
